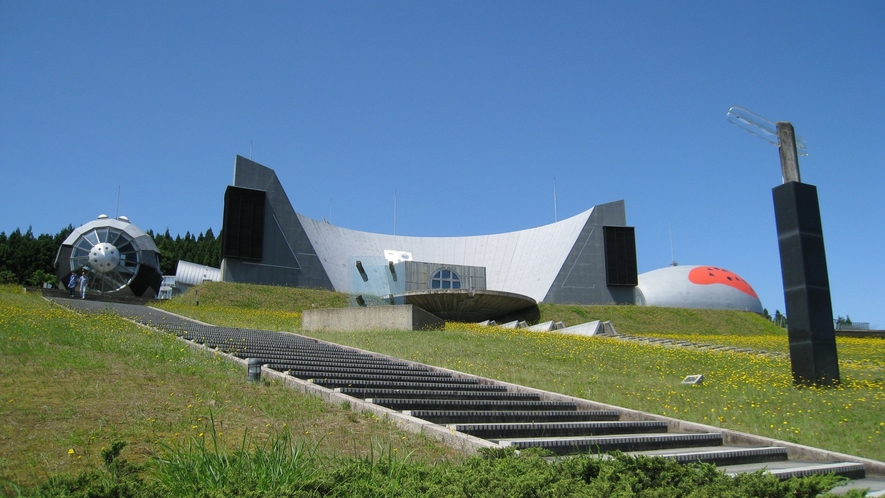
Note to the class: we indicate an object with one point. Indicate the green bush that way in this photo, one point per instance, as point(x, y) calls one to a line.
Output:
point(282, 467)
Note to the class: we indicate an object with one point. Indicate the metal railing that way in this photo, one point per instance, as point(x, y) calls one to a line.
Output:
point(853, 326)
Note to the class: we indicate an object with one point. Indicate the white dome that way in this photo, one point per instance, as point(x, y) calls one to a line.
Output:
point(705, 287)
point(117, 256)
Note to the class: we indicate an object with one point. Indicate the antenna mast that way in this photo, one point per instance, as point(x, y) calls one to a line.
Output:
point(672, 252)
point(555, 217)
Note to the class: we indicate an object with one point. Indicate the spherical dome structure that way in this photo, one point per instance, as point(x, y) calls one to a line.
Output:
point(706, 287)
point(118, 257)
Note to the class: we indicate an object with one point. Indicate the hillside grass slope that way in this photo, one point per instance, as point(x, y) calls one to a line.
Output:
point(747, 392)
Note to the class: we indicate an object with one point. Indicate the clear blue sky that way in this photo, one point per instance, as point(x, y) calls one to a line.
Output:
point(467, 110)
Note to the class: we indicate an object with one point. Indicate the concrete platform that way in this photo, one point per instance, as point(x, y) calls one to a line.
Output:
point(399, 317)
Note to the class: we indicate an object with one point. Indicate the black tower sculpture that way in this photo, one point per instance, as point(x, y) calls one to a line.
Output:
point(804, 271)
point(803, 259)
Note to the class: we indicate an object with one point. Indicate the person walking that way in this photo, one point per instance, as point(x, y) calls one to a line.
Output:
point(83, 280)
point(72, 283)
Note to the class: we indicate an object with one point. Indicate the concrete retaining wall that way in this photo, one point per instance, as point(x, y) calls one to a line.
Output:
point(400, 317)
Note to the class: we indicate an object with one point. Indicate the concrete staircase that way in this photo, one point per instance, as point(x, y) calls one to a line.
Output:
point(502, 414)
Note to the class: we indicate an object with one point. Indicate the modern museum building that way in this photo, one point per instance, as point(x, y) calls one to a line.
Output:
point(589, 258)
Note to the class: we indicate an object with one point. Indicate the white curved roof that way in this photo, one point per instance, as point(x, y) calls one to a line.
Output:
point(524, 262)
point(188, 273)
point(705, 287)
point(141, 240)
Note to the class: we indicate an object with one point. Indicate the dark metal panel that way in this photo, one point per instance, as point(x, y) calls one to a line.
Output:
point(620, 256)
point(243, 223)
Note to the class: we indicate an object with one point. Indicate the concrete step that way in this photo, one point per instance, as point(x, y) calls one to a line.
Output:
point(557, 429)
point(799, 468)
point(875, 486)
point(462, 385)
point(358, 374)
point(358, 369)
point(291, 350)
point(627, 443)
point(465, 417)
point(721, 455)
point(464, 405)
point(302, 349)
point(352, 379)
point(322, 361)
point(430, 394)
point(314, 354)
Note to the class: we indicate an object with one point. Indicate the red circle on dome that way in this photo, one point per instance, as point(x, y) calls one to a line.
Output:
point(706, 275)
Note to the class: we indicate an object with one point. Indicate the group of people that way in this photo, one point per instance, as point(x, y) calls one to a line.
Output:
point(75, 282)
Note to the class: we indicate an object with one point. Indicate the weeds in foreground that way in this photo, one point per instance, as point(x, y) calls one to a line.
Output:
point(203, 469)
point(194, 466)
point(74, 383)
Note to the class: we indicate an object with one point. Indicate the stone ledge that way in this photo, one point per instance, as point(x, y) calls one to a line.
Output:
point(399, 317)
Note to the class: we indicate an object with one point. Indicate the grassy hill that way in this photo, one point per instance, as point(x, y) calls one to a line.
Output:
point(73, 385)
point(76, 385)
point(750, 393)
point(245, 302)
point(641, 320)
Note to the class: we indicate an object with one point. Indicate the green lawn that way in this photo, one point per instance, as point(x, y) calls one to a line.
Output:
point(76, 387)
point(72, 385)
point(749, 393)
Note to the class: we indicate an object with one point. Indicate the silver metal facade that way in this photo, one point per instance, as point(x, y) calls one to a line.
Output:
point(561, 262)
point(187, 273)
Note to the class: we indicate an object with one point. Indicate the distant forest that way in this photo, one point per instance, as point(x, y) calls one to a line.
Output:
point(26, 259)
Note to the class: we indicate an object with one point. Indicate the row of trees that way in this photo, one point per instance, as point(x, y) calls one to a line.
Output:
point(203, 249)
point(26, 259)
point(778, 318)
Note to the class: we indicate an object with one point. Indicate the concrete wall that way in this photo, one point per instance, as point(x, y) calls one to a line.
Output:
point(401, 317)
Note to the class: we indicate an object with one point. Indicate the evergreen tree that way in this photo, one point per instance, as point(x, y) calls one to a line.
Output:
point(26, 259)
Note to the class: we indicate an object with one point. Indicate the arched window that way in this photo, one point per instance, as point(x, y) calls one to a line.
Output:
point(445, 279)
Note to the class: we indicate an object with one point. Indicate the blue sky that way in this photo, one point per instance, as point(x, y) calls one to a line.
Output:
point(464, 112)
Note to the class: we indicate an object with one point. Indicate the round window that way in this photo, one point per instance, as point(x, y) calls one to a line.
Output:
point(445, 279)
